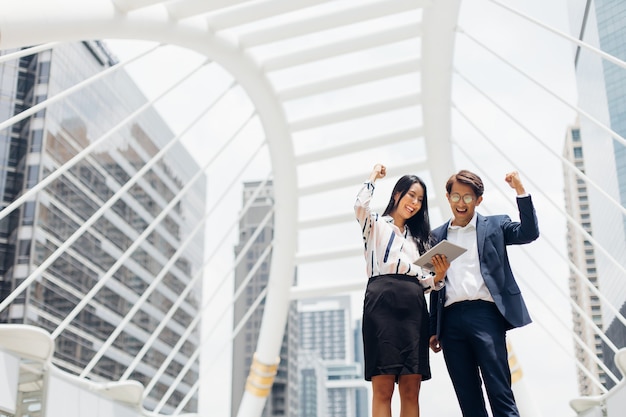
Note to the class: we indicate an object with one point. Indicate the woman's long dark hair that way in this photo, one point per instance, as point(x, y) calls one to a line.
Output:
point(419, 224)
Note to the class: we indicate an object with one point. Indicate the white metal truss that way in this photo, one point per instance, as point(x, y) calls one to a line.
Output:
point(334, 87)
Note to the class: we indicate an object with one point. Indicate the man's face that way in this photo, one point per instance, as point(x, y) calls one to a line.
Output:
point(463, 203)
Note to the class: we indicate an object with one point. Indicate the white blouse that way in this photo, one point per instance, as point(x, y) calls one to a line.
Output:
point(388, 250)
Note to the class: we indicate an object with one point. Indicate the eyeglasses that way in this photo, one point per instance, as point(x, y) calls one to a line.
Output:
point(467, 198)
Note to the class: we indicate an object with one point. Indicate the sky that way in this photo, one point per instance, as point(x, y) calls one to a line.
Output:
point(543, 348)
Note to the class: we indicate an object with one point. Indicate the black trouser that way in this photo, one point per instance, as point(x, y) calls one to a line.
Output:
point(473, 338)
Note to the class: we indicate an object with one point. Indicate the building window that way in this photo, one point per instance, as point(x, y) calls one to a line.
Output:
point(36, 140)
point(42, 112)
point(578, 152)
point(23, 252)
point(4, 229)
point(29, 213)
point(16, 151)
point(12, 185)
point(33, 176)
point(44, 72)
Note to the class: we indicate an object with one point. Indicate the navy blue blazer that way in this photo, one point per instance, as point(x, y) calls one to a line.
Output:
point(494, 233)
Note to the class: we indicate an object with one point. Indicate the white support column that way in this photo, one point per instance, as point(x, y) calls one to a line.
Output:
point(438, 36)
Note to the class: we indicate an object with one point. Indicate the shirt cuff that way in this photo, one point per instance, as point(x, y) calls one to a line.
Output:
point(523, 195)
point(429, 283)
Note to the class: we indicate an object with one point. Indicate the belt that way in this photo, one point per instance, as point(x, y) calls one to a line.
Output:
point(469, 303)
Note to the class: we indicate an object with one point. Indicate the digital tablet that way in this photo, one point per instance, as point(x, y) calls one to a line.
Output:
point(444, 247)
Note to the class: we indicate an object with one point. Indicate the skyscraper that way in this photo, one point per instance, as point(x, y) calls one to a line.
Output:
point(582, 254)
point(252, 271)
point(111, 253)
point(602, 94)
point(326, 328)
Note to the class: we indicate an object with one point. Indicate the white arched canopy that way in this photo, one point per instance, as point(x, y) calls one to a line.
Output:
point(335, 86)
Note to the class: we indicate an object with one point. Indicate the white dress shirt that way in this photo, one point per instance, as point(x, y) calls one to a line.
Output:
point(388, 250)
point(464, 280)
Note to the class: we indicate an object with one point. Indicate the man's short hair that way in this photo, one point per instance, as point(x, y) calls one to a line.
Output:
point(468, 178)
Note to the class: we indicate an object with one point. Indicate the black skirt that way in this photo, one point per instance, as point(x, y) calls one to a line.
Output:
point(395, 327)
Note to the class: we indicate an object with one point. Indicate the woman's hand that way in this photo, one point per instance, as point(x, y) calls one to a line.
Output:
point(441, 264)
point(379, 171)
point(434, 344)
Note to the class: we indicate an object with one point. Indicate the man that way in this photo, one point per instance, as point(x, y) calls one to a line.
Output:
point(481, 300)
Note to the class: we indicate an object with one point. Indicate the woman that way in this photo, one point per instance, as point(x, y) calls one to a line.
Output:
point(395, 318)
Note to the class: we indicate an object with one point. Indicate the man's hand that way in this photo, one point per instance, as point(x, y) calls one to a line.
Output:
point(515, 182)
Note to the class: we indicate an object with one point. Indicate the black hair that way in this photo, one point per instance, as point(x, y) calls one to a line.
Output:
point(419, 223)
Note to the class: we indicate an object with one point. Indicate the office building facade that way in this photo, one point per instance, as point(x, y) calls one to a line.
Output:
point(103, 254)
point(326, 328)
point(252, 271)
point(312, 376)
point(601, 94)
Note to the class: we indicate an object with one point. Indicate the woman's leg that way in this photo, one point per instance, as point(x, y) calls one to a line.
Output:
point(409, 389)
point(382, 391)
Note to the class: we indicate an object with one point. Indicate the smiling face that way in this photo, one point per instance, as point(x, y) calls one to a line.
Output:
point(463, 202)
point(407, 206)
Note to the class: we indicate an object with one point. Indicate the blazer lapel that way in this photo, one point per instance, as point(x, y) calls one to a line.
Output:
point(481, 234)
point(444, 231)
